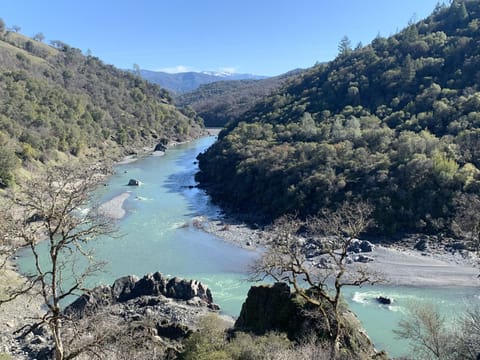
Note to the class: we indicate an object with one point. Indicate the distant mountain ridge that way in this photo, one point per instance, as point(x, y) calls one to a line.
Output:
point(189, 81)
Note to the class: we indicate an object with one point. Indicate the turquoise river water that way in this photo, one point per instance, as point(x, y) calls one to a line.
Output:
point(154, 237)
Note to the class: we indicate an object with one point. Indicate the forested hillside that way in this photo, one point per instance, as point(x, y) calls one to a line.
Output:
point(56, 101)
point(223, 101)
point(395, 123)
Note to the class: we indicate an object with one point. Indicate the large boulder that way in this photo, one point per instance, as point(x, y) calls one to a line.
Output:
point(134, 182)
point(123, 287)
point(151, 284)
point(422, 244)
point(362, 258)
point(384, 300)
point(88, 303)
point(172, 330)
point(275, 308)
point(366, 246)
point(160, 147)
point(270, 308)
point(187, 289)
point(457, 246)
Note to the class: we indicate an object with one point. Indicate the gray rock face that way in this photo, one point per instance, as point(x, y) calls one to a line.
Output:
point(96, 299)
point(122, 288)
point(269, 308)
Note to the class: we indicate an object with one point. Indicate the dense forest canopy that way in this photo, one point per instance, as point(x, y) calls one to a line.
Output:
point(395, 123)
point(54, 100)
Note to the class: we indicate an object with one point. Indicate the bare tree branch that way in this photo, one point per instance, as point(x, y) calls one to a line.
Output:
point(57, 207)
point(333, 232)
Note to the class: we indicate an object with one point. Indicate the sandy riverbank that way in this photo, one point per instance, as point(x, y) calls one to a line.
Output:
point(231, 231)
point(114, 207)
point(414, 268)
point(399, 265)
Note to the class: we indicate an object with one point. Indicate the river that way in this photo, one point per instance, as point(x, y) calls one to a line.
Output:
point(157, 234)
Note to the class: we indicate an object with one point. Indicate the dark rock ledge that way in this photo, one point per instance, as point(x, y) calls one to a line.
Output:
point(124, 289)
point(162, 311)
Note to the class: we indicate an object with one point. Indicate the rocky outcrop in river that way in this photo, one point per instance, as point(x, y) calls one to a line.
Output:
point(127, 288)
point(275, 308)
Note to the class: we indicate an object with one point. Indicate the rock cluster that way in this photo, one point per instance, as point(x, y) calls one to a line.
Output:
point(161, 309)
point(359, 246)
point(131, 287)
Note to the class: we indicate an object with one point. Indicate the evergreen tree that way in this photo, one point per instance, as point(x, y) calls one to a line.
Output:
point(345, 46)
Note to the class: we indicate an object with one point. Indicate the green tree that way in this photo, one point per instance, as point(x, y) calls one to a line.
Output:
point(345, 46)
point(458, 10)
point(136, 69)
point(467, 219)
point(39, 37)
point(8, 163)
point(209, 342)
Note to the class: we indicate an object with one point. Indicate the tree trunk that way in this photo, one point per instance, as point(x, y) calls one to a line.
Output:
point(335, 339)
point(57, 338)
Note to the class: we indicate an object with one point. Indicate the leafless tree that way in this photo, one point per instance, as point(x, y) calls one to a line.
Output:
point(467, 345)
point(426, 330)
point(321, 284)
point(57, 208)
point(103, 335)
point(432, 337)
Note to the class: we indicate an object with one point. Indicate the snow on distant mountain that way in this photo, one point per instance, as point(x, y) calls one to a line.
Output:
point(188, 81)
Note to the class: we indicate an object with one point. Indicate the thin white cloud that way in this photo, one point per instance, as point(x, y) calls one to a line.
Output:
point(177, 69)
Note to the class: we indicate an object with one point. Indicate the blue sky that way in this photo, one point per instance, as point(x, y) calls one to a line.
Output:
point(265, 37)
